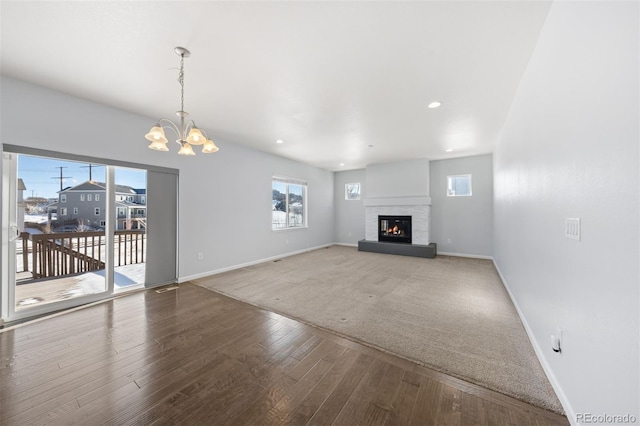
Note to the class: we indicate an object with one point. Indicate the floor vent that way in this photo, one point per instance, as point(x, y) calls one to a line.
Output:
point(165, 289)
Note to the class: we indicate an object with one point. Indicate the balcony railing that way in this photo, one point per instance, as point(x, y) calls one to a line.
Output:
point(59, 254)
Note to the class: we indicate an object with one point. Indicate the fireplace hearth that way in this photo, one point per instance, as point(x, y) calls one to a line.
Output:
point(394, 229)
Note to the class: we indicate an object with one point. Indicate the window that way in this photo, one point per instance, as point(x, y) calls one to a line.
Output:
point(81, 197)
point(459, 186)
point(97, 211)
point(97, 197)
point(88, 197)
point(63, 211)
point(75, 210)
point(351, 191)
point(63, 198)
point(103, 223)
point(288, 203)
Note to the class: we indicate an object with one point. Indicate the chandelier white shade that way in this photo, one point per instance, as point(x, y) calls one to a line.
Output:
point(188, 133)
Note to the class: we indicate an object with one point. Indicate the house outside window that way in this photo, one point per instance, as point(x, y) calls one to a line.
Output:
point(288, 203)
point(459, 186)
point(352, 191)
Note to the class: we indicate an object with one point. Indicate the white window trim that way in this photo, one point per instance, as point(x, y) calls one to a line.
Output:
point(63, 198)
point(460, 195)
point(346, 192)
point(96, 211)
point(293, 181)
point(75, 210)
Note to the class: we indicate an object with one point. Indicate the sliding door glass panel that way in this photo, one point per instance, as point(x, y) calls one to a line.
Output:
point(61, 248)
point(130, 239)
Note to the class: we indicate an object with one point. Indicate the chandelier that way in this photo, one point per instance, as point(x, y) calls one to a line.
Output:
point(188, 134)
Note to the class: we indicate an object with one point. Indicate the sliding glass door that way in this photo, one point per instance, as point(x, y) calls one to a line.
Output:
point(75, 230)
point(58, 238)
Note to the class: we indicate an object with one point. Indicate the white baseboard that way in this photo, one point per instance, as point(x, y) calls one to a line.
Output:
point(570, 413)
point(472, 256)
point(345, 244)
point(244, 265)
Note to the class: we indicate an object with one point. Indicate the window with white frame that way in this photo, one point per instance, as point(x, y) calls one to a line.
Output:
point(459, 186)
point(81, 197)
point(88, 197)
point(63, 211)
point(63, 198)
point(352, 191)
point(75, 210)
point(97, 197)
point(288, 203)
point(97, 211)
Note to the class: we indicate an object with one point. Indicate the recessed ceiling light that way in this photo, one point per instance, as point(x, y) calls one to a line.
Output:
point(342, 164)
point(435, 104)
point(448, 150)
point(279, 141)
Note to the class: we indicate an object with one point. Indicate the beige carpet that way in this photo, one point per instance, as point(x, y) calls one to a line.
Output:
point(452, 314)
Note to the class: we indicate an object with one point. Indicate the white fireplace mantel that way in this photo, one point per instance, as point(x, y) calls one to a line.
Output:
point(397, 201)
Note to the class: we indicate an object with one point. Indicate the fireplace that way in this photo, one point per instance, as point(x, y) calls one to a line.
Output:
point(394, 229)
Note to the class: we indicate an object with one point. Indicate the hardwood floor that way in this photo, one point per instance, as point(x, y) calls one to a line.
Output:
point(191, 356)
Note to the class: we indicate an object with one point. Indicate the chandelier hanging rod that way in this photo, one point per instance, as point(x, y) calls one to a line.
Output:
point(188, 134)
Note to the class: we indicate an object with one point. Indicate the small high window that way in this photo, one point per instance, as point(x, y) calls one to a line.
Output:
point(459, 186)
point(63, 198)
point(97, 211)
point(352, 191)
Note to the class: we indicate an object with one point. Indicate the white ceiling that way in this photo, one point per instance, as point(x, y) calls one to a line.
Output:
point(339, 82)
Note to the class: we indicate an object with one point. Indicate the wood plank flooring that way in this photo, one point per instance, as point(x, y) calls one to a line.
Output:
point(193, 357)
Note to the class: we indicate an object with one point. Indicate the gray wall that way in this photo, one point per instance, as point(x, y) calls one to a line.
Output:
point(349, 214)
point(465, 221)
point(225, 198)
point(398, 179)
point(570, 149)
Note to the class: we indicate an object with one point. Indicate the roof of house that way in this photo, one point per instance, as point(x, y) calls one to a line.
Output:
point(100, 186)
point(21, 186)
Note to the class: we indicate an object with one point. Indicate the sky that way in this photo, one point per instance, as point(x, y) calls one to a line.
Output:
point(41, 175)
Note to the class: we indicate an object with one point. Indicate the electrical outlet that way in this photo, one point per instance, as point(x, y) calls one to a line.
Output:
point(200, 256)
point(572, 228)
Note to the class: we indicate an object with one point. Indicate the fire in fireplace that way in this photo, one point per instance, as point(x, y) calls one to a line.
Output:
point(394, 229)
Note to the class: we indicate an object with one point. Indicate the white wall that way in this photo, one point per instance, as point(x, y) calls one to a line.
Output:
point(466, 221)
point(349, 214)
point(225, 198)
point(570, 149)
